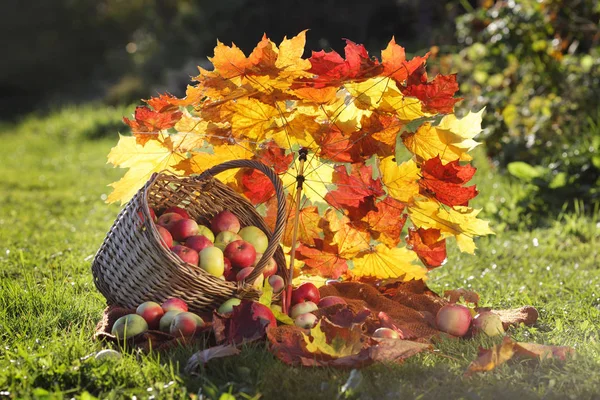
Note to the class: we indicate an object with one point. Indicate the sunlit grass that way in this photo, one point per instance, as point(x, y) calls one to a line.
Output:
point(53, 218)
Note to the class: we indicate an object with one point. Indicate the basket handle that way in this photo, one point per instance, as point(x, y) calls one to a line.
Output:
point(281, 205)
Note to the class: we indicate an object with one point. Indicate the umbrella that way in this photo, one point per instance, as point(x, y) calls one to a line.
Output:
point(362, 145)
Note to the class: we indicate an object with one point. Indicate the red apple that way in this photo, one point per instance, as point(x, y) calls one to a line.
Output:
point(186, 254)
point(277, 283)
point(243, 273)
point(128, 326)
point(165, 236)
point(225, 221)
point(167, 220)
point(152, 215)
point(174, 304)
point(270, 269)
point(386, 333)
point(329, 301)
point(240, 253)
point(305, 292)
point(224, 238)
point(303, 308)
point(185, 324)
point(454, 319)
point(306, 321)
point(212, 261)
point(229, 272)
point(489, 323)
point(256, 237)
point(227, 306)
point(177, 210)
point(165, 321)
point(152, 312)
point(263, 312)
point(183, 229)
point(198, 242)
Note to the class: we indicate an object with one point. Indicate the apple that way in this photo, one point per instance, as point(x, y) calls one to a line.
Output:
point(177, 210)
point(229, 273)
point(386, 333)
point(270, 269)
point(174, 304)
point(167, 220)
point(152, 312)
point(243, 273)
point(224, 238)
point(329, 301)
point(205, 230)
point(303, 308)
point(227, 306)
point(225, 221)
point(186, 254)
point(165, 321)
point(306, 321)
point(263, 312)
point(185, 324)
point(198, 242)
point(165, 236)
point(256, 237)
point(277, 283)
point(152, 214)
point(211, 260)
point(240, 253)
point(183, 229)
point(107, 354)
point(128, 326)
point(454, 319)
point(305, 292)
point(488, 323)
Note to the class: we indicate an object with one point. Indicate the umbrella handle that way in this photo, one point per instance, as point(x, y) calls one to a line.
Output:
point(275, 236)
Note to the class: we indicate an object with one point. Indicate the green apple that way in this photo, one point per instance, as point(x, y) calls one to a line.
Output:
point(224, 238)
point(227, 306)
point(205, 230)
point(128, 326)
point(211, 260)
point(165, 321)
point(256, 237)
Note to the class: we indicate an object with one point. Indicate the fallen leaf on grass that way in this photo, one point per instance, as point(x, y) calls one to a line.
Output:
point(468, 296)
point(489, 359)
point(204, 356)
point(244, 324)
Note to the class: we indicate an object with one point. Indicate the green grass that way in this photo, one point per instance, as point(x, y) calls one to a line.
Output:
point(53, 218)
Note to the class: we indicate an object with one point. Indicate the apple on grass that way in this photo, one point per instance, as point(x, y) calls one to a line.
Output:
point(174, 303)
point(306, 321)
point(227, 306)
point(185, 324)
point(128, 326)
point(198, 242)
point(183, 229)
point(386, 333)
point(165, 321)
point(152, 312)
point(224, 238)
point(329, 301)
point(212, 261)
point(225, 221)
point(303, 308)
point(277, 283)
point(167, 220)
point(165, 236)
point(489, 323)
point(240, 253)
point(454, 319)
point(256, 237)
point(305, 292)
point(186, 254)
point(177, 210)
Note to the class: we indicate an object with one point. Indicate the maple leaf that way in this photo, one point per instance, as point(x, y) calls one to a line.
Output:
point(386, 221)
point(252, 118)
point(275, 157)
point(401, 181)
point(317, 178)
point(428, 245)
point(327, 338)
point(163, 103)
point(147, 123)
point(323, 259)
point(256, 186)
point(203, 160)
point(308, 225)
point(394, 62)
point(437, 95)
point(444, 182)
point(388, 262)
point(430, 142)
point(353, 187)
point(460, 222)
point(349, 238)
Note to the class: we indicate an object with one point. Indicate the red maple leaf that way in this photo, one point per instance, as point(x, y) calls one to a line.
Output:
point(353, 188)
point(275, 157)
point(444, 182)
point(146, 120)
point(428, 246)
point(334, 145)
point(164, 102)
point(322, 259)
point(256, 186)
point(395, 65)
point(437, 95)
point(386, 221)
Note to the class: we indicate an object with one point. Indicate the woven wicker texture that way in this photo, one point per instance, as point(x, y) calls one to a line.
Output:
point(133, 265)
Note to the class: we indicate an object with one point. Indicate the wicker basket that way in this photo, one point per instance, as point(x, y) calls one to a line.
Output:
point(133, 265)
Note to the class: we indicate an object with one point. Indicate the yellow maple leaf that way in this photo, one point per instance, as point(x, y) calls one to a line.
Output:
point(460, 222)
point(384, 262)
point(350, 240)
point(406, 108)
point(201, 161)
point(370, 92)
point(317, 178)
point(465, 128)
point(289, 59)
point(252, 118)
point(229, 62)
point(401, 181)
point(338, 346)
point(430, 141)
point(142, 161)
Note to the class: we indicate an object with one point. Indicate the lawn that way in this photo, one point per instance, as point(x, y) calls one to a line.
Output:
point(53, 218)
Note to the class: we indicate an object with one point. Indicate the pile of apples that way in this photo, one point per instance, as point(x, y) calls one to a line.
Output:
point(225, 249)
point(172, 316)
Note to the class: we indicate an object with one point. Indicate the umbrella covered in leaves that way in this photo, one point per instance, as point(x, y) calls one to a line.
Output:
point(362, 145)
